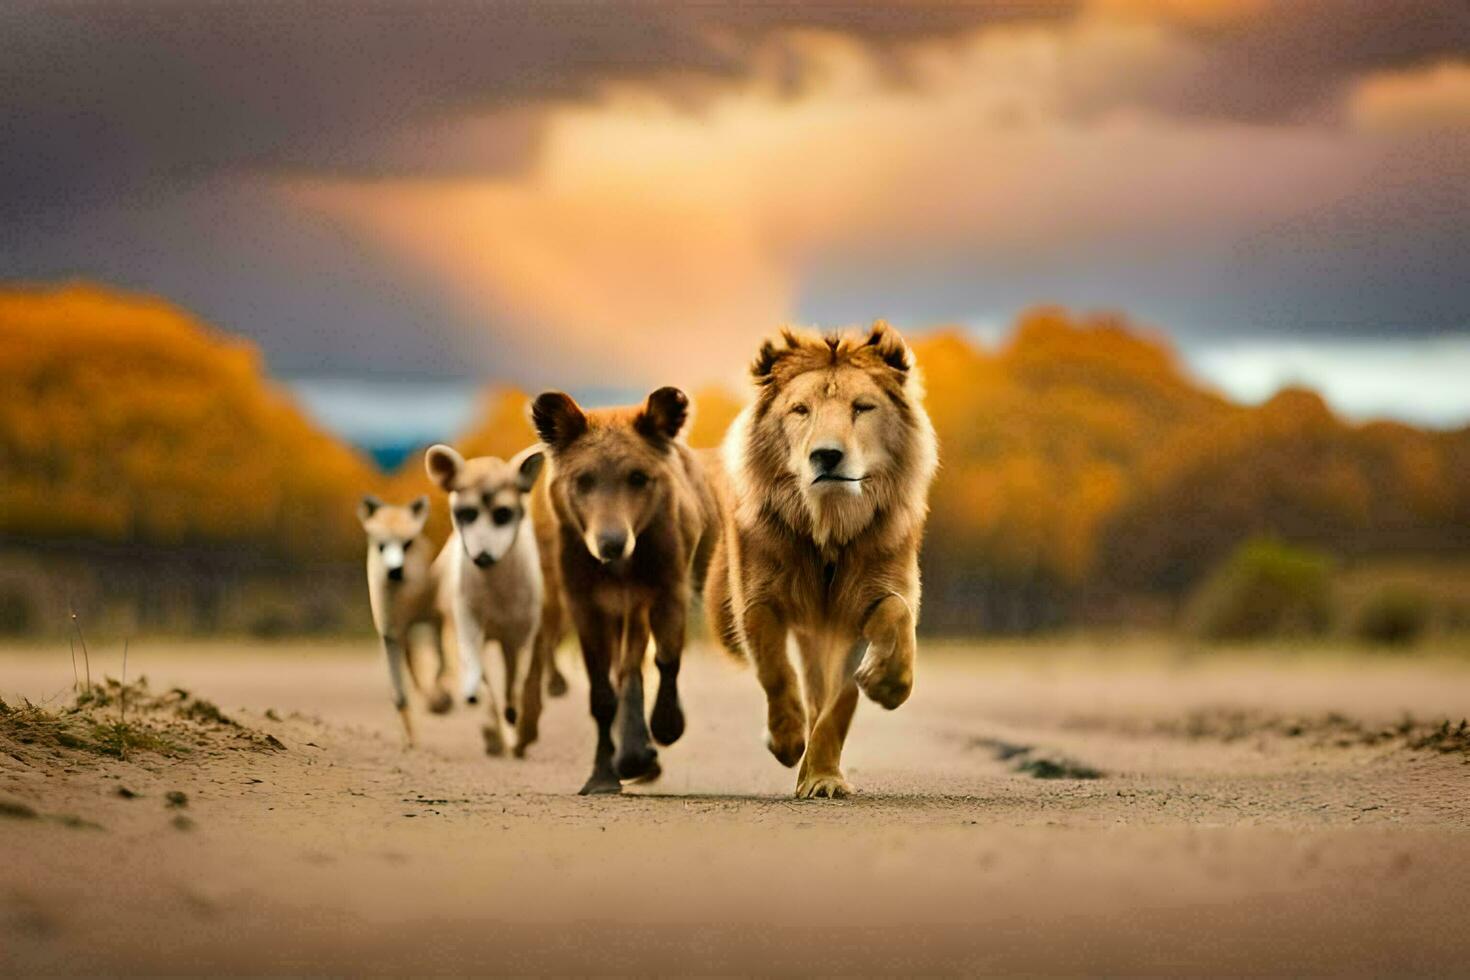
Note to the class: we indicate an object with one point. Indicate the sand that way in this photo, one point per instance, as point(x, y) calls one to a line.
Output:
point(1250, 815)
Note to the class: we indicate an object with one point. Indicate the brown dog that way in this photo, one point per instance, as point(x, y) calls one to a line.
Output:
point(636, 522)
point(824, 492)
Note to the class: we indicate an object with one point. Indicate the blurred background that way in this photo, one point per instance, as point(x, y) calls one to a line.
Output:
point(1189, 281)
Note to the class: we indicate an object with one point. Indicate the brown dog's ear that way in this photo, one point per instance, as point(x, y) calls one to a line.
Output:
point(890, 347)
point(557, 418)
point(368, 507)
point(528, 463)
point(663, 415)
point(443, 464)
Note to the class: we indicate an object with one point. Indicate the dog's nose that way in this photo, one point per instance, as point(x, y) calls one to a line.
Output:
point(610, 546)
point(484, 559)
point(395, 574)
point(824, 461)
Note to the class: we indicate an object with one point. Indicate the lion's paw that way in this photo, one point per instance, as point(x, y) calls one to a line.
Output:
point(786, 734)
point(823, 785)
point(886, 676)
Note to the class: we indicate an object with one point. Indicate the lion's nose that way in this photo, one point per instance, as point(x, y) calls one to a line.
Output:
point(824, 461)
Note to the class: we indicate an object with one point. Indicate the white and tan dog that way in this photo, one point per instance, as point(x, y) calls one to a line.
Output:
point(403, 587)
point(491, 579)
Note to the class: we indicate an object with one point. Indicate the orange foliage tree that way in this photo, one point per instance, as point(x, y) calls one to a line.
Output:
point(125, 420)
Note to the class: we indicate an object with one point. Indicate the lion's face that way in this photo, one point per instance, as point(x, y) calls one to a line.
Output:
point(837, 434)
point(833, 422)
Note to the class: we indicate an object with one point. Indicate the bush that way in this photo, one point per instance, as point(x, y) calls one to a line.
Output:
point(1394, 617)
point(1265, 588)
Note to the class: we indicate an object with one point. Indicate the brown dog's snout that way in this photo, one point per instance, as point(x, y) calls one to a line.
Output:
point(610, 544)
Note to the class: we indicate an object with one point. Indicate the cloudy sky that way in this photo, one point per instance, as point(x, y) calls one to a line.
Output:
point(612, 194)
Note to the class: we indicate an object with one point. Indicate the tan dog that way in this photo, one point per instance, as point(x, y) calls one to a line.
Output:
point(636, 524)
point(403, 587)
point(825, 495)
point(491, 578)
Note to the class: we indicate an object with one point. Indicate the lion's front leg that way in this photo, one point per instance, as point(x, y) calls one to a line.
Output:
point(886, 673)
point(765, 635)
point(820, 775)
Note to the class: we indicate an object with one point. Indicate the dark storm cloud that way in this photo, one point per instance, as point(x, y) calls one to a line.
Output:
point(1295, 58)
point(101, 98)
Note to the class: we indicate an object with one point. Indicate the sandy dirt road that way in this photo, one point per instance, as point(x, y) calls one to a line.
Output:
point(1247, 816)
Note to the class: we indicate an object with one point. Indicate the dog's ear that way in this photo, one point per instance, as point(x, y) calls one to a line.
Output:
point(663, 415)
point(443, 464)
point(528, 464)
point(420, 506)
point(368, 507)
point(890, 347)
point(558, 420)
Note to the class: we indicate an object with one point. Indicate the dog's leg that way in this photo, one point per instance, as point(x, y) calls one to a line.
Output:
point(597, 646)
point(548, 638)
point(886, 673)
point(471, 650)
point(765, 635)
point(636, 757)
point(396, 654)
point(440, 700)
point(527, 690)
point(668, 621)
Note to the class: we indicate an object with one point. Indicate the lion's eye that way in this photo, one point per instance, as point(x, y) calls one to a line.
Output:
point(586, 482)
point(637, 479)
point(859, 408)
point(466, 515)
point(800, 410)
point(502, 515)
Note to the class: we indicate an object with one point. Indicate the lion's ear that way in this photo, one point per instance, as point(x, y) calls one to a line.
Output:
point(890, 347)
point(663, 414)
point(764, 365)
point(558, 419)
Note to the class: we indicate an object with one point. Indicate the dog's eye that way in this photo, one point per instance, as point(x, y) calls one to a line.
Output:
point(859, 408)
point(382, 546)
point(466, 515)
point(408, 544)
point(799, 410)
point(637, 479)
point(502, 515)
point(586, 482)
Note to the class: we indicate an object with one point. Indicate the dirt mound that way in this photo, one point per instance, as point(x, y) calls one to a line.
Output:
point(118, 720)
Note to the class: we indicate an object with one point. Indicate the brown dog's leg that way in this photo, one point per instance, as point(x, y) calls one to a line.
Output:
point(548, 638)
point(440, 700)
point(597, 647)
point(636, 757)
point(765, 634)
point(668, 620)
point(886, 673)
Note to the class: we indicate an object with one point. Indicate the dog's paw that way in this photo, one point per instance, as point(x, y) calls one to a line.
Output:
point(440, 701)
point(786, 732)
point(667, 721)
point(494, 740)
point(886, 674)
point(601, 784)
point(636, 763)
point(823, 786)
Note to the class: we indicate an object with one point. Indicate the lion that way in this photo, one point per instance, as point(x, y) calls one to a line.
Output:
point(824, 493)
